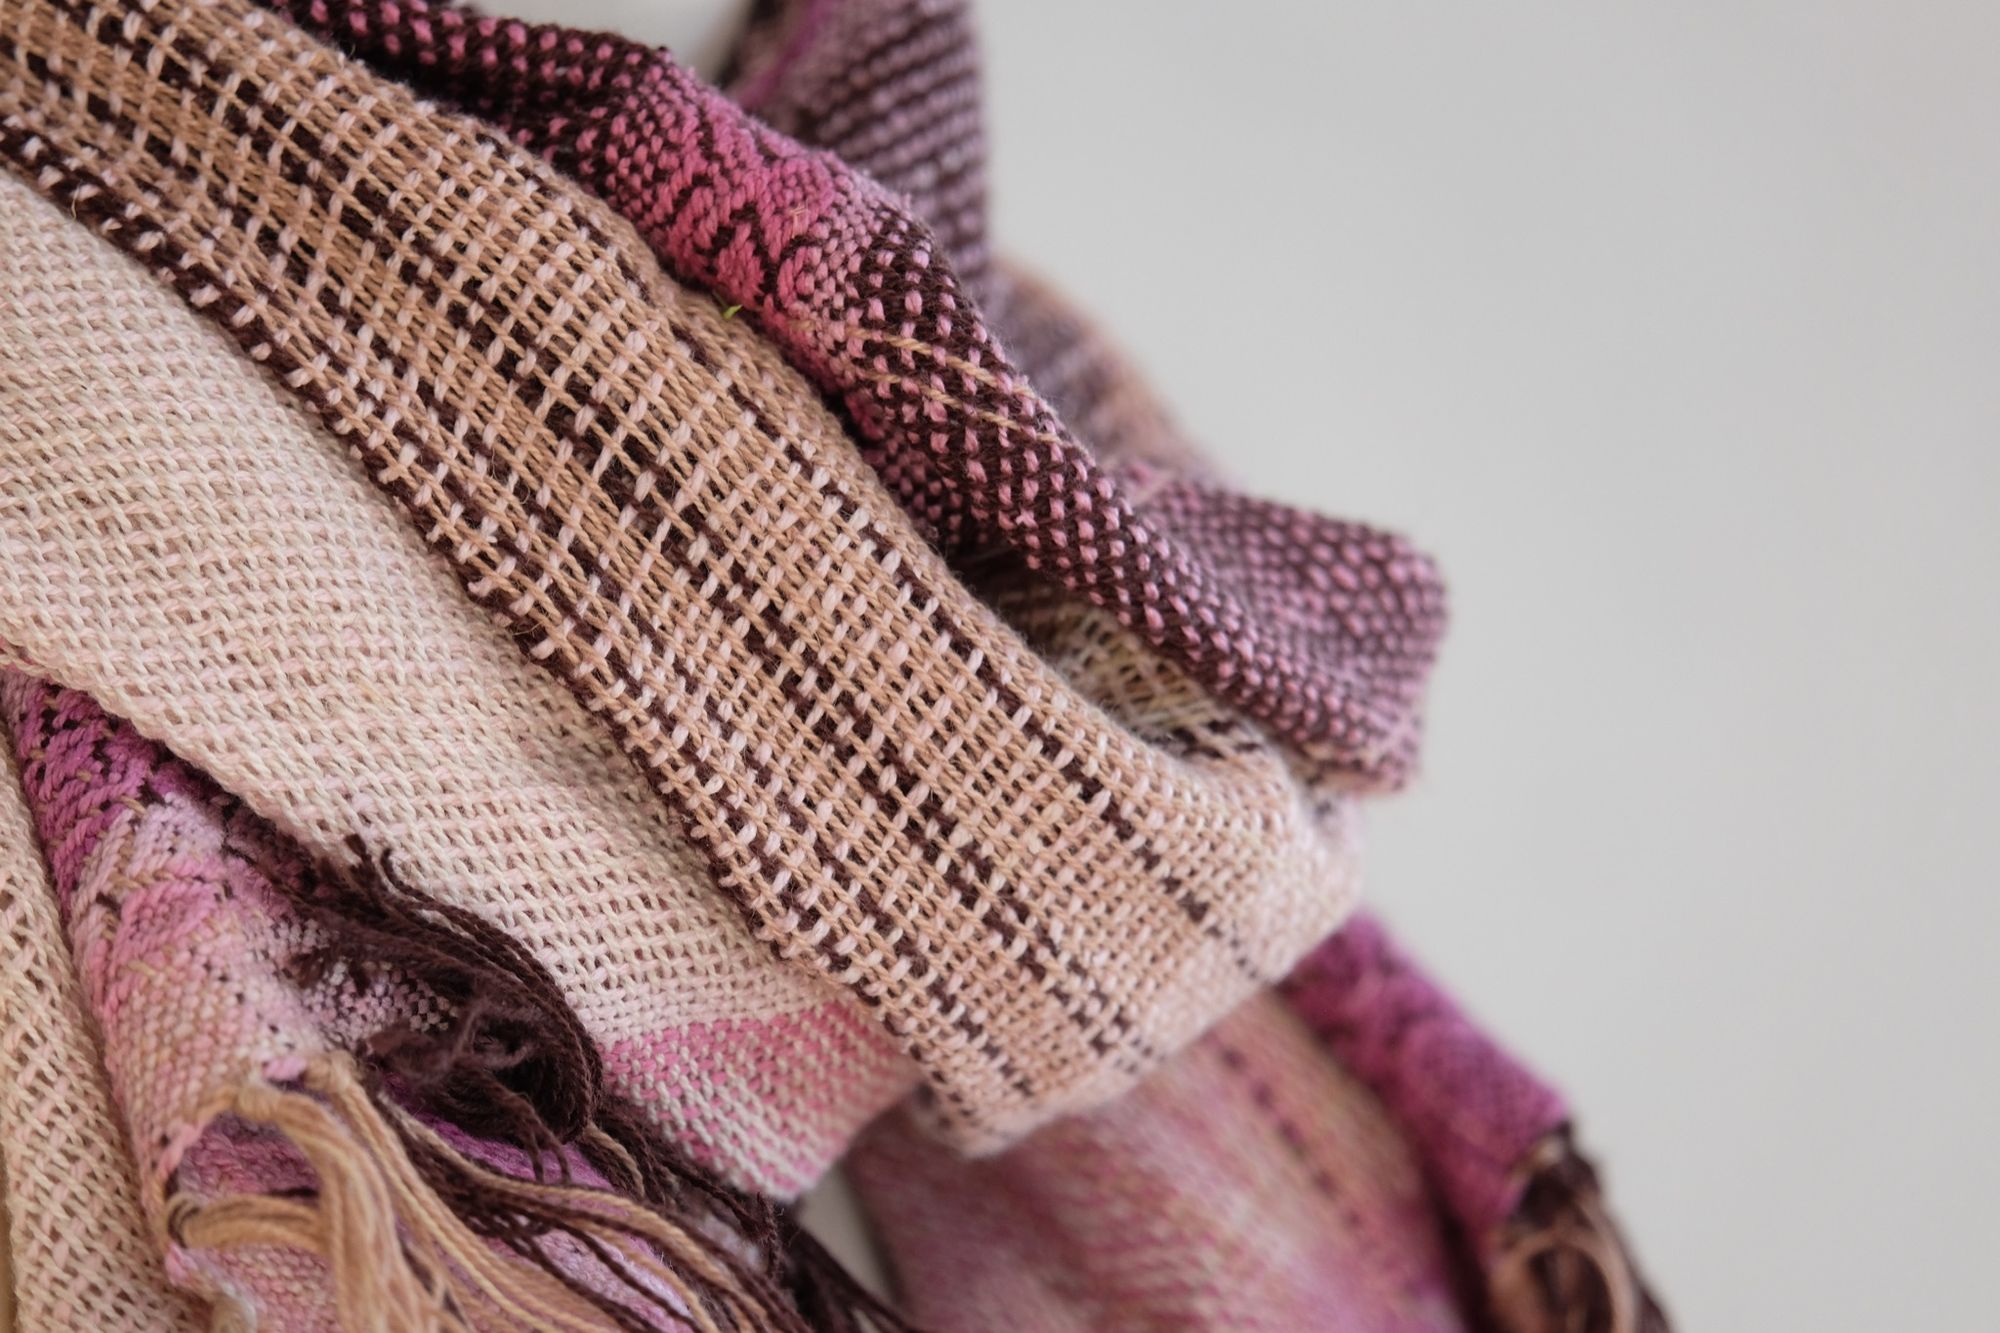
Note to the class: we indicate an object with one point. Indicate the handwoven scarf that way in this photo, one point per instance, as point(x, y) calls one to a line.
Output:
point(579, 650)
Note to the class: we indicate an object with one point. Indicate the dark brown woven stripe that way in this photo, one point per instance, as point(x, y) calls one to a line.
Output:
point(89, 198)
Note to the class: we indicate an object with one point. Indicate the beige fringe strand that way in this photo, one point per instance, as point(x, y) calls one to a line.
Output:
point(400, 1258)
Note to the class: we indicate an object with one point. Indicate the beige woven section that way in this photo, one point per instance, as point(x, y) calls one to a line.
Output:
point(180, 540)
point(81, 1253)
point(894, 787)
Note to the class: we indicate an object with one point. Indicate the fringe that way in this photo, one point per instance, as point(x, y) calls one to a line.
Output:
point(1561, 1265)
point(402, 1258)
point(419, 1236)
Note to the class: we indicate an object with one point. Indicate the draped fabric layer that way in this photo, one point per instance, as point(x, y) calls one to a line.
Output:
point(576, 650)
point(1323, 631)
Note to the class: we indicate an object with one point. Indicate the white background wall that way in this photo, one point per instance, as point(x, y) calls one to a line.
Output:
point(1674, 330)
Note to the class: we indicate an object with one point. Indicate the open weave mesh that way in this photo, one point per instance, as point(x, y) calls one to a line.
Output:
point(875, 766)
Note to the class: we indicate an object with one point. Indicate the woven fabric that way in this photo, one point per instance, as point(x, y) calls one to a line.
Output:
point(721, 700)
point(1323, 631)
point(707, 563)
point(175, 930)
point(892, 89)
point(179, 539)
point(202, 962)
point(82, 1255)
point(1251, 1184)
point(1472, 1113)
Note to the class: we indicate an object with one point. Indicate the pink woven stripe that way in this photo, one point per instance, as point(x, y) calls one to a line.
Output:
point(1473, 1113)
point(700, 1078)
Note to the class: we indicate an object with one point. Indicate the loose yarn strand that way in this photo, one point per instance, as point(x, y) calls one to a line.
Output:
point(397, 1259)
point(1561, 1265)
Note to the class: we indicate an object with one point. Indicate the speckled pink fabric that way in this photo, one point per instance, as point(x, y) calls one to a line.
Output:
point(183, 909)
point(1472, 1113)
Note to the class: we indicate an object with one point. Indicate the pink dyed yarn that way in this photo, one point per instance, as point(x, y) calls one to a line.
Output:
point(1472, 1112)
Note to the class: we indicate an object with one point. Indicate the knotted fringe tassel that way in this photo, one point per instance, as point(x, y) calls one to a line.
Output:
point(1561, 1265)
point(401, 1258)
point(417, 1235)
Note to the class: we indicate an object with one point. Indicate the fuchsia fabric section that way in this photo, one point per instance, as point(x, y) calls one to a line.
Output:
point(891, 88)
point(1473, 1114)
point(178, 931)
point(1322, 630)
point(79, 772)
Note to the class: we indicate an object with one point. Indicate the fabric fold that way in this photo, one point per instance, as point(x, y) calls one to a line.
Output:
point(1251, 1183)
point(568, 650)
point(231, 977)
point(1321, 630)
point(80, 1252)
point(894, 788)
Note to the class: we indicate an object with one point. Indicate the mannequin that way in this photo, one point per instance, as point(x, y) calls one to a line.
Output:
point(698, 32)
